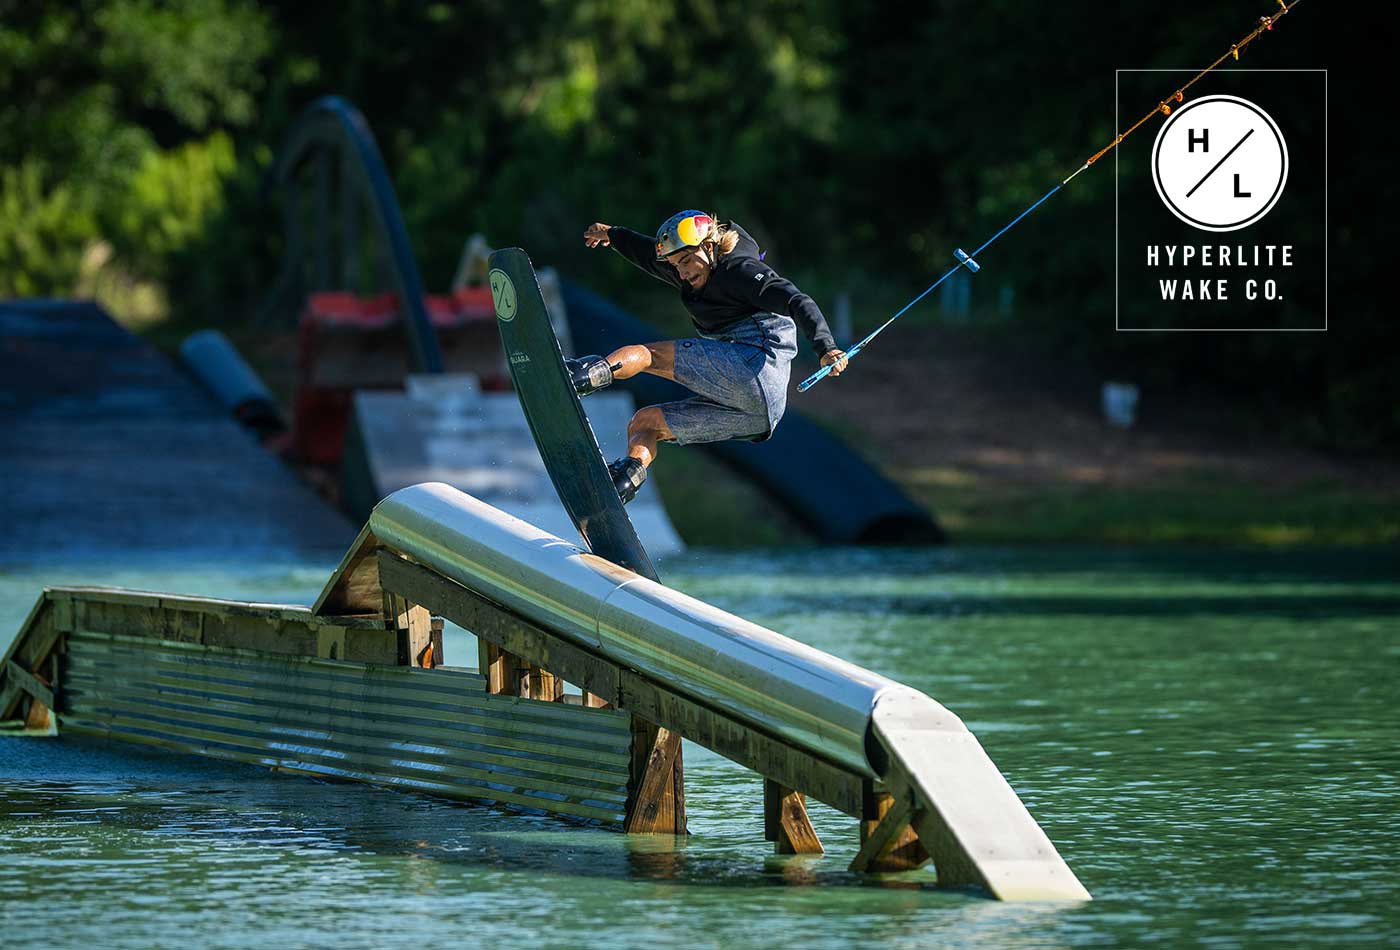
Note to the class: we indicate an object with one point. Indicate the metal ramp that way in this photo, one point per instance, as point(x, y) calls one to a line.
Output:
point(809, 722)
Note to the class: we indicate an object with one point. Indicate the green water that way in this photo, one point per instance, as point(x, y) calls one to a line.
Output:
point(1209, 737)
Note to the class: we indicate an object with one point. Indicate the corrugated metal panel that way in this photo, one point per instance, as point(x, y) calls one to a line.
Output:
point(435, 731)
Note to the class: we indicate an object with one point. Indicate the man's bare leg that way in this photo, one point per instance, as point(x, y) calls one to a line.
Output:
point(659, 359)
point(648, 427)
point(592, 373)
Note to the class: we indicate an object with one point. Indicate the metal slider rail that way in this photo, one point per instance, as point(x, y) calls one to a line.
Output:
point(945, 786)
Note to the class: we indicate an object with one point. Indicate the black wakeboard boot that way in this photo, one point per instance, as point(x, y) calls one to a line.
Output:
point(628, 474)
point(589, 374)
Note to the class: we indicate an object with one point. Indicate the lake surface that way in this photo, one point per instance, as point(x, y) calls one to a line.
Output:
point(1208, 736)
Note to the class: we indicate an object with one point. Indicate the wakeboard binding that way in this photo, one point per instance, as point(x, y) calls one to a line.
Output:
point(589, 374)
point(628, 475)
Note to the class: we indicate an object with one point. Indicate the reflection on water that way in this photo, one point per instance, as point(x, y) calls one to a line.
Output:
point(1207, 736)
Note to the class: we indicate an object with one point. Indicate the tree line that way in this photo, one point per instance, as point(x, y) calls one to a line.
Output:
point(860, 143)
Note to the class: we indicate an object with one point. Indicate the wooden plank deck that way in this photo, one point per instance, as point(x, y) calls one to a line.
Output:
point(110, 451)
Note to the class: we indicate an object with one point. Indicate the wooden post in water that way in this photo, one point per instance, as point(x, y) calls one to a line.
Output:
point(785, 821)
point(41, 716)
point(888, 841)
point(30, 670)
point(656, 789)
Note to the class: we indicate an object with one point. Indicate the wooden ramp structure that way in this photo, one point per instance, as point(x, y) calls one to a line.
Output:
point(353, 687)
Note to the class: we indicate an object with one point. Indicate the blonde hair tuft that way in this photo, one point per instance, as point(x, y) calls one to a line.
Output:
point(722, 237)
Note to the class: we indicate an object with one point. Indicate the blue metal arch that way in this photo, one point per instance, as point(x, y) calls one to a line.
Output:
point(332, 129)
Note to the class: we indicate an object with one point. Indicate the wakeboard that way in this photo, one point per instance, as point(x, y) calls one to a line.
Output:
point(556, 417)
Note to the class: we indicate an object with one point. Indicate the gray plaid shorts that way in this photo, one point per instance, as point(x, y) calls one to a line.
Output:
point(740, 377)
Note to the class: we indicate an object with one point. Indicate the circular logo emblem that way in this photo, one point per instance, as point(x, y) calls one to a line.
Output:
point(1220, 163)
point(502, 294)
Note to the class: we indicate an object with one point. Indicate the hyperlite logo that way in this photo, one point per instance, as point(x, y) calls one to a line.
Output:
point(1219, 259)
point(1220, 163)
point(502, 294)
point(1224, 227)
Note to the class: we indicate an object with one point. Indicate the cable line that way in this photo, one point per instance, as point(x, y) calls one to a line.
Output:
point(1266, 24)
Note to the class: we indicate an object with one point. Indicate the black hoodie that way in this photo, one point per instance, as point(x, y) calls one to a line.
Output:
point(740, 286)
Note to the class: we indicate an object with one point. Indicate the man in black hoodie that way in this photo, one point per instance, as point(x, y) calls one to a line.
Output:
point(747, 317)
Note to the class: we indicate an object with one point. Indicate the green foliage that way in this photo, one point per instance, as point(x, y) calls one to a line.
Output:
point(859, 144)
point(196, 60)
point(43, 232)
point(112, 119)
point(168, 201)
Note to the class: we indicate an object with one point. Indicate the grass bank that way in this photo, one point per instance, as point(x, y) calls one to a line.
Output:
point(1003, 465)
point(1189, 510)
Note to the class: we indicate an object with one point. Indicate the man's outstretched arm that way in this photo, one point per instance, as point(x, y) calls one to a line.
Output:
point(636, 247)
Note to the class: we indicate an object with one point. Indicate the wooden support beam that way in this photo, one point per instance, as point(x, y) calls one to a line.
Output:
point(10, 696)
point(62, 606)
point(428, 654)
point(35, 639)
point(494, 625)
point(488, 658)
point(511, 634)
point(501, 669)
point(905, 851)
point(544, 685)
point(36, 648)
point(30, 683)
point(39, 645)
point(655, 794)
point(749, 747)
point(785, 820)
point(886, 833)
point(41, 703)
point(420, 634)
point(354, 586)
point(434, 659)
point(40, 718)
point(414, 624)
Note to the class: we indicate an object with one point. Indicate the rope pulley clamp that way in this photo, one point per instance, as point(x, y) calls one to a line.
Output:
point(965, 260)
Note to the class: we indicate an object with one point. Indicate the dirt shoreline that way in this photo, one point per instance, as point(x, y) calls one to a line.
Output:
point(929, 407)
